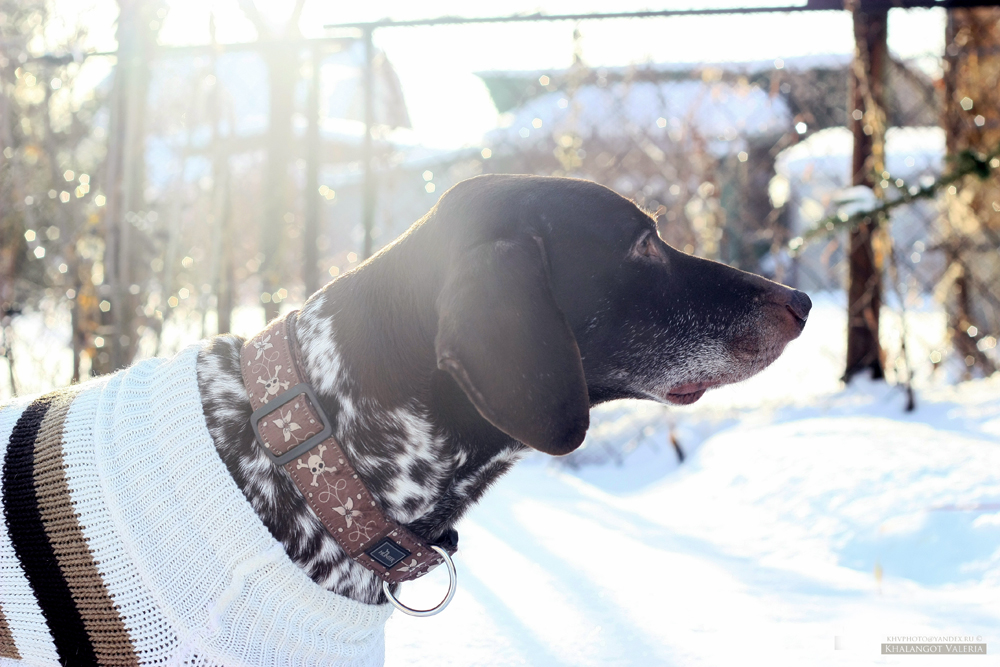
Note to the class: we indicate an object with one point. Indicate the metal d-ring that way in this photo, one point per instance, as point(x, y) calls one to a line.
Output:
point(452, 585)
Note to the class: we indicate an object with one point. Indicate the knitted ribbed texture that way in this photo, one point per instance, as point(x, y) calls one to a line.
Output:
point(29, 632)
point(156, 556)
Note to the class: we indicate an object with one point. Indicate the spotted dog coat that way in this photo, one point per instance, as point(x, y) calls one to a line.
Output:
point(491, 326)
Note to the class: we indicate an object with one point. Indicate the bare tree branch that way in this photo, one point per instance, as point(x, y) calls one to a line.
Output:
point(249, 8)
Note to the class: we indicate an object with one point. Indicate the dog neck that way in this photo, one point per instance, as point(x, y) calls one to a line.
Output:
point(419, 445)
point(417, 441)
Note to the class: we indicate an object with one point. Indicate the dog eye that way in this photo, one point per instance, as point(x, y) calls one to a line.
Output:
point(647, 247)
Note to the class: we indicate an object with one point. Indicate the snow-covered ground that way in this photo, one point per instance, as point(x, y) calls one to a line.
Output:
point(805, 517)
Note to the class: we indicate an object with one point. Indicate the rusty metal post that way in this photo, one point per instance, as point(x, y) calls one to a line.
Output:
point(282, 60)
point(864, 292)
point(368, 197)
point(310, 272)
point(971, 225)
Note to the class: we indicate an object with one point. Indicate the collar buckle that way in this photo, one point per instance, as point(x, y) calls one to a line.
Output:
point(301, 389)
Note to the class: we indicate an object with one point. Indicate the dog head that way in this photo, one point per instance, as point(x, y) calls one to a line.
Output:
point(557, 294)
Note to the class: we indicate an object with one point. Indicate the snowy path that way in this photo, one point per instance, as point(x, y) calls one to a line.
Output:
point(762, 547)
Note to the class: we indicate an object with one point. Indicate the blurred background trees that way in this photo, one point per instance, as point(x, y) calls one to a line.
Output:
point(54, 133)
point(155, 194)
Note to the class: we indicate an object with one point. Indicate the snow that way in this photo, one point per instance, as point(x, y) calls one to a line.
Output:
point(817, 168)
point(806, 516)
point(631, 108)
point(745, 67)
point(813, 177)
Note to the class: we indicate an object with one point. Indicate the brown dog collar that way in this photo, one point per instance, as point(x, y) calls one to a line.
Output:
point(295, 433)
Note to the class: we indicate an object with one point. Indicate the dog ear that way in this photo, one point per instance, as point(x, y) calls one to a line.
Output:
point(509, 347)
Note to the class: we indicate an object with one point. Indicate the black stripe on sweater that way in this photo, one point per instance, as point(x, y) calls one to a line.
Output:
point(31, 544)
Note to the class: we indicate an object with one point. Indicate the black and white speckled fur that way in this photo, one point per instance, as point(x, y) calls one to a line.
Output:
point(418, 477)
point(393, 351)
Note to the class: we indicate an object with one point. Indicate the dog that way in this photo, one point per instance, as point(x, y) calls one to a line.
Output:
point(144, 523)
point(490, 328)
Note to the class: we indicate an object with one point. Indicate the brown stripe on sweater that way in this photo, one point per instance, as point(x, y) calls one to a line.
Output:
point(8, 649)
point(107, 632)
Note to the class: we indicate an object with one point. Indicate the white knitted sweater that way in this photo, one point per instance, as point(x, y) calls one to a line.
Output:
point(162, 559)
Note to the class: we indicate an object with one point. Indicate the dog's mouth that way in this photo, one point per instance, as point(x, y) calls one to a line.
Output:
point(686, 394)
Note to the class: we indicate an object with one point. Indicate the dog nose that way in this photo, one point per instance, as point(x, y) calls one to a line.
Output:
point(799, 305)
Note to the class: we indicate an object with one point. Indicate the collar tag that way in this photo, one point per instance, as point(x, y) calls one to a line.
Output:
point(387, 553)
